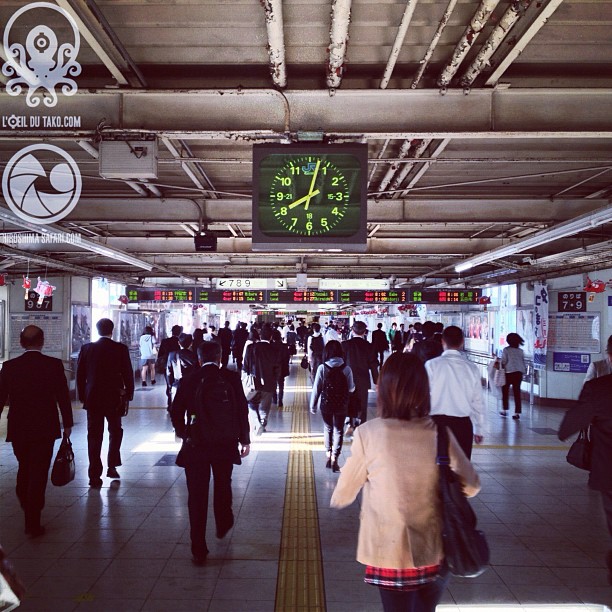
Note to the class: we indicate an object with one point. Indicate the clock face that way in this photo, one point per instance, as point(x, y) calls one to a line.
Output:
point(309, 195)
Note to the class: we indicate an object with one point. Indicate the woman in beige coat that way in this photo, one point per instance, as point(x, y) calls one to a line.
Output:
point(394, 460)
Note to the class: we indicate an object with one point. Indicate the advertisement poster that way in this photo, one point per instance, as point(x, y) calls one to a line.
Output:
point(571, 362)
point(525, 329)
point(81, 328)
point(477, 332)
point(540, 325)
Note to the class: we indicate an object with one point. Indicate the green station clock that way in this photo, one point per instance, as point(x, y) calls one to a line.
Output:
point(309, 197)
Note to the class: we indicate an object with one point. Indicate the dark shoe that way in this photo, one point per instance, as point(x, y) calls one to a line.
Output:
point(328, 464)
point(221, 533)
point(153, 382)
point(95, 483)
point(504, 413)
point(516, 417)
point(280, 404)
point(144, 383)
point(112, 473)
point(335, 466)
point(199, 560)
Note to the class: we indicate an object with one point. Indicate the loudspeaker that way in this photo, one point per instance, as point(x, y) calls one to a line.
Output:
point(206, 241)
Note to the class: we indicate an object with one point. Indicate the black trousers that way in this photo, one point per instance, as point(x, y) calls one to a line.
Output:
point(225, 355)
point(462, 429)
point(34, 460)
point(423, 599)
point(381, 357)
point(514, 379)
point(198, 473)
point(333, 430)
point(95, 435)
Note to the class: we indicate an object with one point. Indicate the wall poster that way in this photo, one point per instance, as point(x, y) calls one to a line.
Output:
point(576, 333)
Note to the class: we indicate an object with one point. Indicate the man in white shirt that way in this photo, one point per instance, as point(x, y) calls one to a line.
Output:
point(456, 391)
point(332, 334)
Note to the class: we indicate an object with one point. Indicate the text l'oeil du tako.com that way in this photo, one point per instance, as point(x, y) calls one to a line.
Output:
point(15, 122)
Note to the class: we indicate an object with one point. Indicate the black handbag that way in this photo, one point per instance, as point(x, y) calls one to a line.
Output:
point(304, 363)
point(579, 453)
point(466, 550)
point(63, 466)
point(124, 403)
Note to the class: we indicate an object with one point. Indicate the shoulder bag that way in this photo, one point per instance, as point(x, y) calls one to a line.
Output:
point(466, 550)
point(579, 454)
point(500, 377)
point(63, 466)
point(304, 362)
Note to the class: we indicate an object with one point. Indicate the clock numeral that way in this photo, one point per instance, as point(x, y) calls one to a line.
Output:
point(293, 222)
point(324, 222)
point(283, 210)
point(335, 211)
point(331, 196)
point(309, 225)
point(285, 181)
point(339, 196)
point(295, 169)
point(309, 215)
point(280, 195)
point(335, 181)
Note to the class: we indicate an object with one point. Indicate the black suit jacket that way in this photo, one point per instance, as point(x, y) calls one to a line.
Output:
point(184, 405)
point(595, 408)
point(263, 362)
point(34, 385)
point(361, 357)
point(379, 340)
point(103, 369)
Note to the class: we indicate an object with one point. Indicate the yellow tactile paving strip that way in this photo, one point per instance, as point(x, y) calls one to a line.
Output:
point(300, 568)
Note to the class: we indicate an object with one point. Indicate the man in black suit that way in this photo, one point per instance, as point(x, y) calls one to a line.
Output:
point(360, 356)
point(104, 371)
point(380, 343)
point(217, 438)
point(167, 346)
point(264, 364)
point(225, 337)
point(34, 385)
point(595, 408)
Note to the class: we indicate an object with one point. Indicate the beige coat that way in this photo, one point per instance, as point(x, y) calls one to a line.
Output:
point(394, 461)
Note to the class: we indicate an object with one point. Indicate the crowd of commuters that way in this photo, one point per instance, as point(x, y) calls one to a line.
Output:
point(422, 380)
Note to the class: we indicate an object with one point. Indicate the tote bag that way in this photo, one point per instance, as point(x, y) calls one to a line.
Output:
point(63, 466)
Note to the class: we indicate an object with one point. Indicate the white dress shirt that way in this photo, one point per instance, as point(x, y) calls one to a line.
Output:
point(455, 388)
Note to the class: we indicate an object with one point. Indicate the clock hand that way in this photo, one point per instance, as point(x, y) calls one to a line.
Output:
point(306, 198)
point(312, 183)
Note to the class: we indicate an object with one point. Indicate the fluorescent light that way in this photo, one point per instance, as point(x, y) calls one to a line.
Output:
point(562, 230)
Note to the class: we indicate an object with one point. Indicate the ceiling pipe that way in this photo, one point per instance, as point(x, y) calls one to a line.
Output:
point(424, 167)
point(523, 41)
point(403, 153)
point(339, 35)
point(273, 10)
point(379, 157)
point(515, 11)
point(403, 173)
point(433, 44)
point(399, 41)
point(478, 22)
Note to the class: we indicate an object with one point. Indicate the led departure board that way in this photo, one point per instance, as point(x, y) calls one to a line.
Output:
point(293, 297)
point(311, 296)
point(444, 296)
point(374, 297)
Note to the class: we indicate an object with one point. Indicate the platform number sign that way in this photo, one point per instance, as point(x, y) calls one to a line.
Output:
point(32, 305)
point(572, 301)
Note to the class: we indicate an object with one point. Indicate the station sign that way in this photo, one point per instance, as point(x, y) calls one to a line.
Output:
point(192, 295)
point(251, 283)
point(378, 284)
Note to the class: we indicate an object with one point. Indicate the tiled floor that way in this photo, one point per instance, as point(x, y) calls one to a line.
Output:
point(126, 546)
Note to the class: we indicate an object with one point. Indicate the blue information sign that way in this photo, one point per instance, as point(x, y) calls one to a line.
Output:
point(571, 362)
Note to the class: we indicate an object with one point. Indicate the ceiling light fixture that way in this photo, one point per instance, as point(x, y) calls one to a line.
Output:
point(562, 230)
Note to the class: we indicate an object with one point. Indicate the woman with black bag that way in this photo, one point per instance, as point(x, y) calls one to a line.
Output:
point(394, 461)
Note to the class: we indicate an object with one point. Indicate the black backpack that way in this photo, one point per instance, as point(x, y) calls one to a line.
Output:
point(316, 345)
point(335, 393)
point(215, 419)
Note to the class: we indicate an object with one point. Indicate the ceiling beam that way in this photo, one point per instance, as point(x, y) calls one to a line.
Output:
point(268, 114)
point(96, 30)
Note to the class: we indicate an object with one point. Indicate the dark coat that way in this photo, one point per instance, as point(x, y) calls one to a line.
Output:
point(594, 407)
point(283, 357)
point(180, 363)
point(427, 349)
point(103, 369)
point(167, 346)
point(379, 340)
point(224, 338)
point(34, 386)
point(184, 405)
point(240, 336)
point(361, 357)
point(263, 362)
